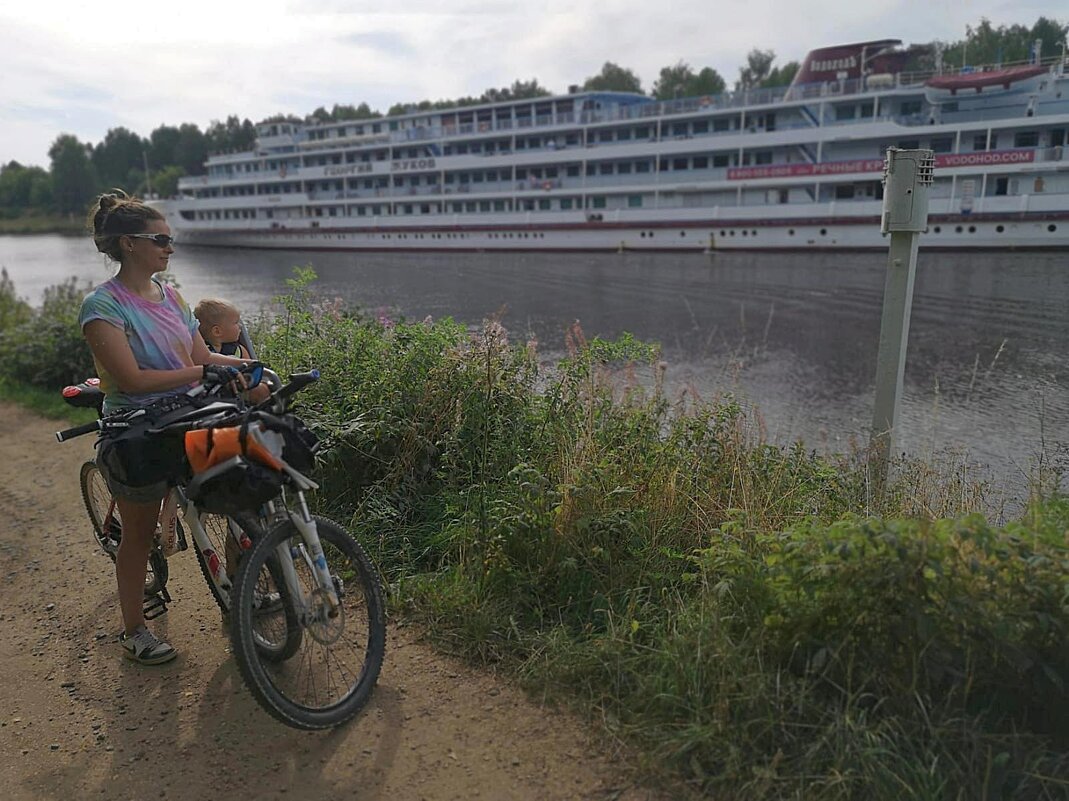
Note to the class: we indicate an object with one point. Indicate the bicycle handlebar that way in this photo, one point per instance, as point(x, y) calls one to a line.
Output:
point(298, 381)
point(77, 431)
point(120, 420)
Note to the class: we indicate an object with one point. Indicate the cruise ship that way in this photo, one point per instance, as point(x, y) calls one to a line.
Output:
point(790, 168)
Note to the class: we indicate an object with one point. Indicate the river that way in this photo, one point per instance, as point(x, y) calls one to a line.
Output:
point(795, 336)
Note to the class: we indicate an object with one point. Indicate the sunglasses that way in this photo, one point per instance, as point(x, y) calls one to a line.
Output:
point(161, 240)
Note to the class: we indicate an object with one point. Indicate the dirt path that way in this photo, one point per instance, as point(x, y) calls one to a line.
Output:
point(78, 721)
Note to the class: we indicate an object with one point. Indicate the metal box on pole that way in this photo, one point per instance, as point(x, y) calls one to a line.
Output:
point(907, 176)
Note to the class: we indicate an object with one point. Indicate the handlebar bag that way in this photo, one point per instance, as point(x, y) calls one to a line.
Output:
point(235, 468)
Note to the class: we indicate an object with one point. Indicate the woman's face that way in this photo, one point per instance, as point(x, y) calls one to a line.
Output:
point(146, 255)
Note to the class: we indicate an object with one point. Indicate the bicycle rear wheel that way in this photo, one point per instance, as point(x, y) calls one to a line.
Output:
point(107, 526)
point(277, 630)
point(330, 677)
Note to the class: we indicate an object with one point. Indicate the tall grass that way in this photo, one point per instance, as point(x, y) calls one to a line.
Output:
point(758, 620)
point(754, 616)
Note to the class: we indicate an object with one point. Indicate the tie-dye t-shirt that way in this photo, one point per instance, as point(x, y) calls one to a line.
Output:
point(160, 334)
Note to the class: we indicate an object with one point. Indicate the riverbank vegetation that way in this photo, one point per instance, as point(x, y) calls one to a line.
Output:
point(753, 616)
point(35, 200)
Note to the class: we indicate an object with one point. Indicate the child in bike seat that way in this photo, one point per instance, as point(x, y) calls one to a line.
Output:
point(220, 325)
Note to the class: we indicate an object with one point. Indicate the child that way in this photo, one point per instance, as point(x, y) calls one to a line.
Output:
point(220, 325)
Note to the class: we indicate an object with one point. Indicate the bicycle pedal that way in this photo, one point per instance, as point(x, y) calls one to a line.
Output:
point(156, 605)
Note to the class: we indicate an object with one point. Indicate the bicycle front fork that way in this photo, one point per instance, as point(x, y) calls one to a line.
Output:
point(310, 550)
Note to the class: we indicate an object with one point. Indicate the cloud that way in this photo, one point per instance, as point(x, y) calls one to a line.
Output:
point(67, 67)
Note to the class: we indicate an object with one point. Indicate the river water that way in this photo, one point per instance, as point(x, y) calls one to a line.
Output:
point(795, 336)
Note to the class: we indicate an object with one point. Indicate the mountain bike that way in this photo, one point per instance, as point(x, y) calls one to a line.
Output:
point(311, 654)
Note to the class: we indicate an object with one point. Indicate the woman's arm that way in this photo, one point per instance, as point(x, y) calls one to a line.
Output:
point(111, 349)
point(201, 354)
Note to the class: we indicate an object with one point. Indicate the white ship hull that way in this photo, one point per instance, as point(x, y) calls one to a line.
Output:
point(998, 230)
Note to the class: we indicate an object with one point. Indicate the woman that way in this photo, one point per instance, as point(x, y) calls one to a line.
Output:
point(146, 346)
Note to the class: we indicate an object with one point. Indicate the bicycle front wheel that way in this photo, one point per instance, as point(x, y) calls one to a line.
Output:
point(331, 675)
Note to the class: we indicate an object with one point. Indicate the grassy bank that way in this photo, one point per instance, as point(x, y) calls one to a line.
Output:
point(753, 617)
point(41, 224)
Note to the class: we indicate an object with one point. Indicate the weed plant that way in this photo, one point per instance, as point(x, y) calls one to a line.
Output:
point(756, 618)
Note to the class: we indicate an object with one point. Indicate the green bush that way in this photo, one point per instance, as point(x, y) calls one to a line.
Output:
point(44, 347)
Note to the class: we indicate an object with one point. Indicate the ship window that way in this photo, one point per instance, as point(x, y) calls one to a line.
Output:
point(910, 107)
point(845, 112)
point(722, 124)
point(544, 204)
point(679, 129)
point(1052, 228)
point(642, 132)
point(764, 157)
point(573, 170)
point(605, 169)
point(642, 166)
point(679, 164)
point(701, 126)
point(605, 136)
point(623, 168)
point(591, 169)
point(565, 203)
point(909, 144)
point(1001, 186)
point(784, 196)
point(721, 159)
point(943, 144)
point(499, 205)
point(623, 134)
point(634, 201)
point(701, 162)
point(1026, 139)
point(484, 205)
point(598, 202)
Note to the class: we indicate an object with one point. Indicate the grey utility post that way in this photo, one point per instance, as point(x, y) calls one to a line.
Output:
point(907, 176)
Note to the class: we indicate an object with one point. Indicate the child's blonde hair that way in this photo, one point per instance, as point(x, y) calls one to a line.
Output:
point(212, 311)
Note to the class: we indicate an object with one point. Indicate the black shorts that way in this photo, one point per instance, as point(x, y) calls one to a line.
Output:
point(140, 468)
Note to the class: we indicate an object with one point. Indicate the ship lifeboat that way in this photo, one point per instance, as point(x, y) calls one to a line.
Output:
point(1010, 80)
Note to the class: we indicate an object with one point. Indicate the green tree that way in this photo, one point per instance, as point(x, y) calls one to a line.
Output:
point(758, 67)
point(190, 149)
point(613, 78)
point(781, 76)
point(119, 151)
point(348, 112)
point(234, 134)
point(672, 81)
point(165, 182)
point(162, 143)
point(707, 82)
point(73, 179)
point(16, 182)
point(679, 80)
point(986, 44)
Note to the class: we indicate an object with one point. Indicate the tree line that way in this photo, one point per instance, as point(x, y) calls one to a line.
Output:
point(79, 170)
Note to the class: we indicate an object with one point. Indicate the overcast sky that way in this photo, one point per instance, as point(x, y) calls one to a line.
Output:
point(85, 67)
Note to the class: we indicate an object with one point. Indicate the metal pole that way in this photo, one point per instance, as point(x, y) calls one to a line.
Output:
point(907, 176)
